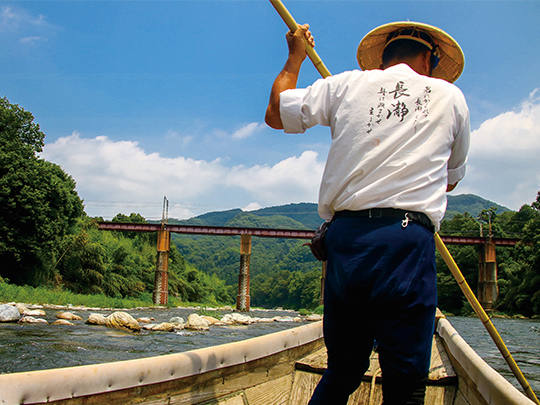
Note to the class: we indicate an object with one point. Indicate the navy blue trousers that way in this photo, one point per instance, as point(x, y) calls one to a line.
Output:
point(380, 286)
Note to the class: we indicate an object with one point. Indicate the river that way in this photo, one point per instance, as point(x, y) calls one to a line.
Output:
point(522, 337)
point(26, 347)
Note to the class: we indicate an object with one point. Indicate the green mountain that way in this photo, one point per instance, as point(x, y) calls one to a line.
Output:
point(305, 215)
point(473, 204)
point(219, 256)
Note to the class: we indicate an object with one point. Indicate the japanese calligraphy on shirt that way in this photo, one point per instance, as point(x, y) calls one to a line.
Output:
point(394, 104)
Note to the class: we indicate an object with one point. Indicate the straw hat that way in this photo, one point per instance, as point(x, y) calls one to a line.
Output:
point(451, 57)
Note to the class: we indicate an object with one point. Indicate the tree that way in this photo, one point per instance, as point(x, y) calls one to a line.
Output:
point(38, 201)
point(450, 297)
point(522, 289)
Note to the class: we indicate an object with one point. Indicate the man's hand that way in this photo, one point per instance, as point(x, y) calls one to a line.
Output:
point(297, 41)
point(288, 77)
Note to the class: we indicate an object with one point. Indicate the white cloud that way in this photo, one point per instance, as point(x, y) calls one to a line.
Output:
point(32, 40)
point(503, 164)
point(119, 176)
point(511, 135)
point(254, 206)
point(295, 179)
point(248, 130)
point(12, 19)
point(26, 28)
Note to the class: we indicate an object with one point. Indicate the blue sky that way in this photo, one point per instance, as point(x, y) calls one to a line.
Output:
point(145, 99)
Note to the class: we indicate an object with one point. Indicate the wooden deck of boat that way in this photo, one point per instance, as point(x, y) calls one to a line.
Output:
point(442, 386)
point(297, 388)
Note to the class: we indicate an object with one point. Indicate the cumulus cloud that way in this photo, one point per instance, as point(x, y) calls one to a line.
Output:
point(292, 179)
point(111, 175)
point(511, 135)
point(503, 160)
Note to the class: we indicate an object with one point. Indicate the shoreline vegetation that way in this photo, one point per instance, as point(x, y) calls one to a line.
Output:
point(62, 299)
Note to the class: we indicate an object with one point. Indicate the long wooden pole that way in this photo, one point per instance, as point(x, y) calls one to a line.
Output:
point(449, 260)
point(291, 23)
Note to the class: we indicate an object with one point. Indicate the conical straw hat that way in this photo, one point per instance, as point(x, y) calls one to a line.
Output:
point(451, 61)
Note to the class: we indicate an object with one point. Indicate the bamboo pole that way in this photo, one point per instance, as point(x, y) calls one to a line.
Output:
point(449, 260)
point(291, 23)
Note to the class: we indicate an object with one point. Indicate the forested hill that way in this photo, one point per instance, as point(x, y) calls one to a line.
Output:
point(305, 214)
point(473, 204)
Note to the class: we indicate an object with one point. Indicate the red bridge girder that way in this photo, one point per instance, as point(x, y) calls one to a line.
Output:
point(209, 230)
point(468, 240)
point(271, 233)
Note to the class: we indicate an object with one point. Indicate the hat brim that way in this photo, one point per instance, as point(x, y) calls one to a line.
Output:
point(451, 63)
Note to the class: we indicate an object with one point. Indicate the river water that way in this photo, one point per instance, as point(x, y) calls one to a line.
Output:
point(522, 337)
point(26, 347)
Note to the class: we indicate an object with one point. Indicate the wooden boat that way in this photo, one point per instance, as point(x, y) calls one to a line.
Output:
point(280, 368)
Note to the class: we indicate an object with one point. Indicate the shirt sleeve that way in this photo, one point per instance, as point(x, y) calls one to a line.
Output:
point(290, 110)
point(301, 109)
point(460, 148)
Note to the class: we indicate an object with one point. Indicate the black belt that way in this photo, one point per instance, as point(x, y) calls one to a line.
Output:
point(404, 215)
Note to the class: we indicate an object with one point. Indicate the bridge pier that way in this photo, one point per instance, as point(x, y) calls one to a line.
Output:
point(488, 290)
point(243, 298)
point(160, 295)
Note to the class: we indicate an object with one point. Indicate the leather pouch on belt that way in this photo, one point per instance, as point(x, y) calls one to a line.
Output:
point(317, 244)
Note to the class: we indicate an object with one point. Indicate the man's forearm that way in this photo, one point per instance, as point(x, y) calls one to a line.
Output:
point(288, 77)
point(286, 80)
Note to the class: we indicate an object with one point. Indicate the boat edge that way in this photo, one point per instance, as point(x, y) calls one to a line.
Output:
point(478, 370)
point(71, 382)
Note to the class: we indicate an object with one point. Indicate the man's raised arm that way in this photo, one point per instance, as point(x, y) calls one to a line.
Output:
point(288, 77)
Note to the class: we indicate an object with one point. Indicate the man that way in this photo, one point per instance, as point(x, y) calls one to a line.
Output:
point(400, 138)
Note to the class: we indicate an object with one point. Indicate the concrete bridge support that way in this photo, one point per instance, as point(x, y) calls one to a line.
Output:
point(243, 299)
point(488, 290)
point(161, 284)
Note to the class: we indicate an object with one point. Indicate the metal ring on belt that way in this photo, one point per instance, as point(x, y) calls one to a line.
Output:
point(388, 213)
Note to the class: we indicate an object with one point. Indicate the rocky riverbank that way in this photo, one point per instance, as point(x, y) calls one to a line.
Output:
point(122, 320)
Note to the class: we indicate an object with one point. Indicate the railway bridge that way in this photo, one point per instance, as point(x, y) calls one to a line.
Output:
point(487, 271)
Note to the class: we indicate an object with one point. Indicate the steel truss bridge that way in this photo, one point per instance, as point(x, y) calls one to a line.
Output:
point(487, 281)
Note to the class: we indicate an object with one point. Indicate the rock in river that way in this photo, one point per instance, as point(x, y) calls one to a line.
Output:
point(195, 322)
point(9, 313)
point(34, 312)
point(68, 316)
point(124, 321)
point(177, 320)
point(31, 319)
point(163, 327)
point(237, 319)
point(63, 322)
point(96, 319)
